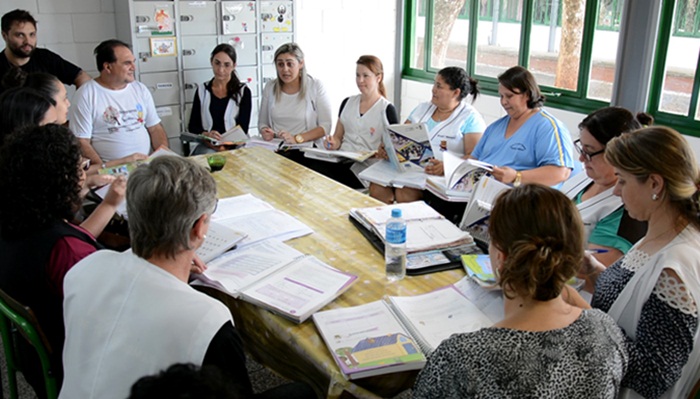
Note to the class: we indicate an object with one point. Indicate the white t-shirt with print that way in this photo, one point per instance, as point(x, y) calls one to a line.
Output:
point(114, 120)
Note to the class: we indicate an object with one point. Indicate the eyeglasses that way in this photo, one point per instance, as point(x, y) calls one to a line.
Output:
point(216, 205)
point(85, 165)
point(586, 155)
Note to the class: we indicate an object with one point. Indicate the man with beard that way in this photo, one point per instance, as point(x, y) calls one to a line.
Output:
point(19, 33)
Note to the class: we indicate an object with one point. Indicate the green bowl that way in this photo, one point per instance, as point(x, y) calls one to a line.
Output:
point(216, 162)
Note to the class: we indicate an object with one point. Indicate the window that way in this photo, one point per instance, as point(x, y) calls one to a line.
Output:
point(569, 45)
point(676, 82)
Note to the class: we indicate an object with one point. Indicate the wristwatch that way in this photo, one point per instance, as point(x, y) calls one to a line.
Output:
point(518, 179)
point(299, 138)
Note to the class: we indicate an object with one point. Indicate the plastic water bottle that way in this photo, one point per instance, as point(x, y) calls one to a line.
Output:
point(395, 248)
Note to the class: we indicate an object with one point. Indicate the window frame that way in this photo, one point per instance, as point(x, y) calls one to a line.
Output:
point(576, 101)
point(684, 124)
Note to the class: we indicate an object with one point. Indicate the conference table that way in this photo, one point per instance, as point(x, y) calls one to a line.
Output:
point(297, 351)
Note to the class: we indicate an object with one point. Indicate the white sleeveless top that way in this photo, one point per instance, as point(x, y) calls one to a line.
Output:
point(126, 318)
point(363, 132)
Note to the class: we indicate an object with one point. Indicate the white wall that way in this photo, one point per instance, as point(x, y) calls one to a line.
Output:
point(71, 28)
point(335, 33)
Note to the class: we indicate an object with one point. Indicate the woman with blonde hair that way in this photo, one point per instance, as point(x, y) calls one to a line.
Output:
point(362, 120)
point(652, 292)
point(295, 106)
point(543, 347)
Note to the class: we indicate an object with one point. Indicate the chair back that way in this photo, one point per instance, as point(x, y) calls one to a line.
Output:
point(695, 393)
point(15, 317)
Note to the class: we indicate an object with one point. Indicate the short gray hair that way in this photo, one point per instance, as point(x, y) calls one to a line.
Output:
point(164, 199)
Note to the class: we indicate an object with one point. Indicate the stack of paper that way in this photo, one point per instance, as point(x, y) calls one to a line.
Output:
point(425, 228)
point(257, 219)
point(335, 156)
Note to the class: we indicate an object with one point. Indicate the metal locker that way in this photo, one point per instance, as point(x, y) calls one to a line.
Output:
point(249, 76)
point(194, 77)
point(254, 114)
point(164, 87)
point(196, 51)
point(152, 18)
point(170, 119)
point(198, 17)
point(188, 111)
point(246, 48)
point(238, 17)
point(176, 145)
point(148, 63)
point(269, 72)
point(276, 16)
point(270, 42)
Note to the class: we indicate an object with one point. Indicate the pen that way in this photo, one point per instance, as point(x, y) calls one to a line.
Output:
point(328, 142)
point(597, 251)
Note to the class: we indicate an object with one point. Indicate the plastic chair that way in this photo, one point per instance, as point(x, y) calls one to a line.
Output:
point(695, 393)
point(15, 317)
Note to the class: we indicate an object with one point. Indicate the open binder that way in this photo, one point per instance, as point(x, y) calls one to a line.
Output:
point(397, 333)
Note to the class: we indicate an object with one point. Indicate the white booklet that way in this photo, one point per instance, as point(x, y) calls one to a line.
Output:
point(398, 333)
point(234, 137)
point(257, 219)
point(483, 196)
point(335, 156)
point(462, 174)
point(272, 145)
point(276, 277)
point(219, 240)
point(407, 144)
point(385, 174)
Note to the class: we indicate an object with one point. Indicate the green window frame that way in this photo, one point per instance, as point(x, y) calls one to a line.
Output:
point(686, 124)
point(687, 22)
point(575, 101)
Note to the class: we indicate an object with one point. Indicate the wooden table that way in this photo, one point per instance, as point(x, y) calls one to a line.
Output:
point(297, 351)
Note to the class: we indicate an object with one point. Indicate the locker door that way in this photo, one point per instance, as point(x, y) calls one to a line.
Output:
point(170, 118)
point(148, 63)
point(194, 77)
point(238, 17)
point(196, 51)
point(164, 87)
point(269, 72)
point(176, 145)
point(253, 129)
point(249, 76)
point(153, 17)
point(198, 17)
point(246, 48)
point(188, 111)
point(276, 16)
point(270, 42)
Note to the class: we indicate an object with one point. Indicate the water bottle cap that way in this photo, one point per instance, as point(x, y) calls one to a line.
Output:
point(396, 213)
